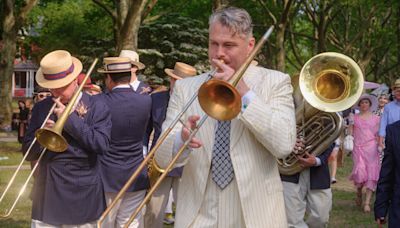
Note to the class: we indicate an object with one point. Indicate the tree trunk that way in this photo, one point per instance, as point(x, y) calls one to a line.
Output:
point(127, 17)
point(128, 39)
point(216, 4)
point(280, 35)
point(398, 37)
point(11, 23)
point(7, 55)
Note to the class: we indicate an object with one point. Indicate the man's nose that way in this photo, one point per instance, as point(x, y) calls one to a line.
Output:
point(220, 52)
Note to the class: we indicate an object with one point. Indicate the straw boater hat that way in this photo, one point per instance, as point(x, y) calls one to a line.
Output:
point(58, 69)
point(396, 84)
point(134, 57)
point(371, 98)
point(115, 65)
point(181, 70)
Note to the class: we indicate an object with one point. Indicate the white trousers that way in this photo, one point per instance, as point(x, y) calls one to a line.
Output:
point(40, 224)
point(125, 207)
point(299, 198)
point(155, 209)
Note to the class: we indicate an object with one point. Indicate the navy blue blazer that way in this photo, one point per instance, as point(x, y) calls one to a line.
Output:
point(143, 89)
point(387, 199)
point(158, 113)
point(130, 112)
point(68, 188)
point(319, 175)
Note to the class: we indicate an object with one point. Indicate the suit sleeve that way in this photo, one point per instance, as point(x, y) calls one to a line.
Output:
point(165, 154)
point(384, 190)
point(325, 155)
point(93, 135)
point(39, 113)
point(272, 119)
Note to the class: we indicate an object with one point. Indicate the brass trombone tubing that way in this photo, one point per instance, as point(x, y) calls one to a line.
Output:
point(22, 190)
point(20, 165)
point(232, 84)
point(164, 174)
point(142, 165)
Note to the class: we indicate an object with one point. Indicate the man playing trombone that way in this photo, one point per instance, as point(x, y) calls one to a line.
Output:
point(67, 190)
point(231, 177)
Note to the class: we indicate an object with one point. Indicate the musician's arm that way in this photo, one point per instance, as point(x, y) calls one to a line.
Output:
point(272, 119)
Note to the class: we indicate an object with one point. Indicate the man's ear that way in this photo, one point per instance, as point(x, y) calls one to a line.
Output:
point(251, 44)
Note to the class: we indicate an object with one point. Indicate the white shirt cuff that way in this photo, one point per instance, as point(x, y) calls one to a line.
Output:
point(318, 161)
point(247, 98)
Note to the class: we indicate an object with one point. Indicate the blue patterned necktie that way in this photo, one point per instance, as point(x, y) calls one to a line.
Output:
point(221, 163)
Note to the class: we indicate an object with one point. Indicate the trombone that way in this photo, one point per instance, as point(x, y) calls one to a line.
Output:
point(226, 107)
point(22, 190)
point(49, 138)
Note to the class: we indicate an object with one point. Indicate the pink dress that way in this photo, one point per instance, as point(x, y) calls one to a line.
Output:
point(366, 165)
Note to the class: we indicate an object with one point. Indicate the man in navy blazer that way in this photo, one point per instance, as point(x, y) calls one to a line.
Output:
point(130, 113)
point(310, 189)
point(67, 189)
point(387, 198)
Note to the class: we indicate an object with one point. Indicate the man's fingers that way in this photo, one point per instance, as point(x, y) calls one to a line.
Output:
point(58, 102)
point(219, 64)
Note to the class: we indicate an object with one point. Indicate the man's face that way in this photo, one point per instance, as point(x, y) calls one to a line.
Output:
point(223, 45)
point(65, 92)
point(396, 93)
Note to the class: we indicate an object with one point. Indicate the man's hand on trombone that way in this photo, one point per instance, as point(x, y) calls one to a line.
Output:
point(225, 73)
point(191, 124)
point(58, 110)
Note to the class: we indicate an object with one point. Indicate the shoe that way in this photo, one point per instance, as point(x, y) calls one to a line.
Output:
point(367, 208)
point(169, 219)
point(333, 181)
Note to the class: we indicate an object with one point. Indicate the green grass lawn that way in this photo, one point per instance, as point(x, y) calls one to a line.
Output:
point(344, 212)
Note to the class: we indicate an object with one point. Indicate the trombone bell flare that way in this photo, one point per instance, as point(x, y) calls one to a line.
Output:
point(52, 138)
point(219, 99)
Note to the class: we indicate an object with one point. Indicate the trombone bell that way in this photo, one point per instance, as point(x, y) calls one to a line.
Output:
point(52, 139)
point(331, 82)
point(219, 99)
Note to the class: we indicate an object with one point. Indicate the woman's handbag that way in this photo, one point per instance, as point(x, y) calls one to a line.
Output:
point(348, 143)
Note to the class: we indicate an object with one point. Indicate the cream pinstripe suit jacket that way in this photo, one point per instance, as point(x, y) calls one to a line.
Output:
point(265, 130)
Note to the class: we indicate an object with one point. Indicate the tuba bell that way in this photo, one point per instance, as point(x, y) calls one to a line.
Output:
point(330, 82)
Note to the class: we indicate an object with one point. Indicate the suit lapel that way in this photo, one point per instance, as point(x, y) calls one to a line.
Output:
point(236, 132)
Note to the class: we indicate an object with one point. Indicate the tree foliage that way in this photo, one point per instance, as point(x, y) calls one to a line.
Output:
point(170, 39)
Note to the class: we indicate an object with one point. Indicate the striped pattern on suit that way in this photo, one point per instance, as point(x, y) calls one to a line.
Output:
point(265, 130)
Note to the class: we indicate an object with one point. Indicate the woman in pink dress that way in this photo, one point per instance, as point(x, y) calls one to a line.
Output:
point(365, 154)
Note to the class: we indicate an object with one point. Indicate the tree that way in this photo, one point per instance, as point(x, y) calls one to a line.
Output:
point(127, 17)
point(169, 39)
point(14, 14)
point(80, 27)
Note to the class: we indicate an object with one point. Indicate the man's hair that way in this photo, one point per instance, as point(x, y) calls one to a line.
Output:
point(236, 19)
point(124, 77)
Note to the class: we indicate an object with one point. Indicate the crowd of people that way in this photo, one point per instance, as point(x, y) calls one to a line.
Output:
point(228, 175)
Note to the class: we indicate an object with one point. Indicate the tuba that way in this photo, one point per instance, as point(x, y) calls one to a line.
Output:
point(330, 82)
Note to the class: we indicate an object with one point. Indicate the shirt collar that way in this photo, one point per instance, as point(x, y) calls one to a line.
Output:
point(121, 86)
